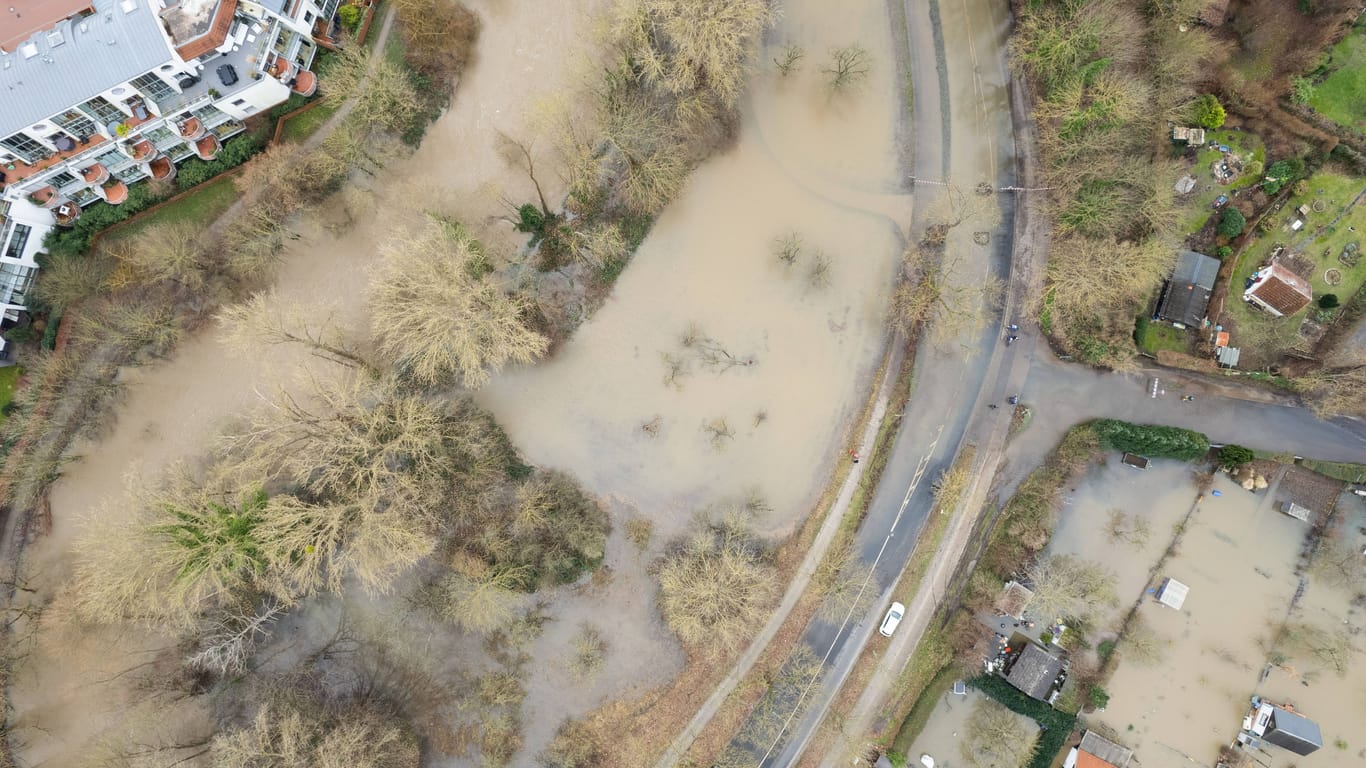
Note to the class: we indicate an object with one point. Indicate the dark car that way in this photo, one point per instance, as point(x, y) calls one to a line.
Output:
point(187, 81)
point(227, 75)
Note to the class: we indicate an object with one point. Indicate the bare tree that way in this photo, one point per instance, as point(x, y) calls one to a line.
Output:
point(286, 735)
point(1140, 643)
point(597, 245)
point(476, 595)
point(66, 279)
point(1333, 648)
point(229, 639)
point(818, 274)
point(687, 47)
point(588, 652)
point(1128, 529)
point(937, 293)
point(440, 323)
point(717, 587)
point(1066, 586)
point(518, 153)
point(848, 67)
point(718, 432)
point(438, 36)
point(266, 319)
point(789, 59)
point(172, 253)
point(1339, 392)
point(997, 737)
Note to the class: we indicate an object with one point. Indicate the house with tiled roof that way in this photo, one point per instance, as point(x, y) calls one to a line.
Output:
point(1277, 290)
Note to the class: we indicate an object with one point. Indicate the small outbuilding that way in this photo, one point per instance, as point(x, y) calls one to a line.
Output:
point(1172, 593)
point(1035, 672)
point(1014, 599)
point(1134, 460)
point(1185, 298)
point(1194, 137)
point(1097, 751)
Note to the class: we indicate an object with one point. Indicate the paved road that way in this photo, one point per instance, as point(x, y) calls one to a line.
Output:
point(962, 79)
point(948, 380)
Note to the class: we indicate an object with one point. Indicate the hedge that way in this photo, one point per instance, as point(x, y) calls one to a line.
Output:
point(1150, 440)
point(1055, 725)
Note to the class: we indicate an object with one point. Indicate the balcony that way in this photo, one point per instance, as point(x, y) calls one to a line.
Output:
point(95, 174)
point(66, 214)
point(305, 83)
point(45, 197)
point(140, 149)
point(20, 171)
point(114, 192)
point(190, 128)
point(207, 147)
point(161, 169)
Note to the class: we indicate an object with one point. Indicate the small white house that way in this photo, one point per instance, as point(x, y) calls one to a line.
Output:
point(1172, 593)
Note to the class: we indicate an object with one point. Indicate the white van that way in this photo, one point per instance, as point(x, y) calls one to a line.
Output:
point(894, 615)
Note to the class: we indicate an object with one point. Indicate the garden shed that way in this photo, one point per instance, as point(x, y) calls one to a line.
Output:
point(1172, 593)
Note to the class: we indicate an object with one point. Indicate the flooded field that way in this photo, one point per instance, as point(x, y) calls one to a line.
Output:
point(946, 729)
point(803, 162)
point(1238, 556)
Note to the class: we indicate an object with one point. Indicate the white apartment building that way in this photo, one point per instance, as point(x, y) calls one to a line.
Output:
point(99, 94)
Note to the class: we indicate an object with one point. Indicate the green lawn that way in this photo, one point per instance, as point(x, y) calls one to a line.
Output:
point(203, 205)
point(1200, 204)
point(9, 378)
point(302, 126)
point(1333, 192)
point(1152, 337)
point(1341, 97)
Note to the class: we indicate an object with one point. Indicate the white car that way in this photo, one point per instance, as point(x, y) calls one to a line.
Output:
point(894, 615)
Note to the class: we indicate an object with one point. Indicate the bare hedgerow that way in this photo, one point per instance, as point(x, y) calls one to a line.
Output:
point(287, 733)
point(437, 321)
point(718, 585)
point(575, 746)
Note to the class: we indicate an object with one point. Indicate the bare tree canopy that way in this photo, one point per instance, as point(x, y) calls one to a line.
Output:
point(437, 320)
point(718, 586)
point(285, 735)
point(997, 737)
point(1066, 586)
point(690, 45)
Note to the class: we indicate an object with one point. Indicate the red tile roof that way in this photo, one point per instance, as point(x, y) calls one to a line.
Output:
point(19, 19)
point(1282, 289)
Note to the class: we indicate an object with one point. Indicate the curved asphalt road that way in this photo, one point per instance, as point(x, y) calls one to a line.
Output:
point(957, 51)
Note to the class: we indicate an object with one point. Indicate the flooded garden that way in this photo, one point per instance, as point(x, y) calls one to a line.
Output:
point(1258, 616)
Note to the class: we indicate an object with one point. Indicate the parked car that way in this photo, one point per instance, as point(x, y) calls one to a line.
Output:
point(894, 615)
point(187, 80)
point(227, 75)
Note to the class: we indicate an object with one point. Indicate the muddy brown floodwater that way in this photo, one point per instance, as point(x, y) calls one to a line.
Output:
point(1239, 557)
point(805, 162)
point(825, 168)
